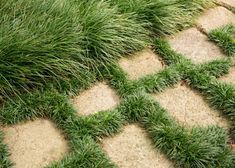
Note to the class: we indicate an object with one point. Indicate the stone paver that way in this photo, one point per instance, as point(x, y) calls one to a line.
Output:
point(35, 144)
point(228, 2)
point(229, 78)
point(98, 98)
point(215, 18)
point(189, 108)
point(133, 149)
point(195, 46)
point(141, 64)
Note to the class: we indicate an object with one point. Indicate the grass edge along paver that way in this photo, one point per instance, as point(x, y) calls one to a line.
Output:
point(201, 147)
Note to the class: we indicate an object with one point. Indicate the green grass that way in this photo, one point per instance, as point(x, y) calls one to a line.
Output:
point(201, 147)
point(4, 154)
point(55, 41)
point(74, 43)
point(164, 17)
point(225, 38)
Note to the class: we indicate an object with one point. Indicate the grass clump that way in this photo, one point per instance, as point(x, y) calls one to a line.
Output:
point(107, 33)
point(225, 38)
point(4, 154)
point(164, 17)
point(56, 40)
point(38, 40)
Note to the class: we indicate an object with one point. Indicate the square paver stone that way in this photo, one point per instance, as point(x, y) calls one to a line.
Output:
point(229, 2)
point(215, 18)
point(189, 108)
point(195, 46)
point(98, 98)
point(133, 149)
point(230, 77)
point(34, 144)
point(141, 64)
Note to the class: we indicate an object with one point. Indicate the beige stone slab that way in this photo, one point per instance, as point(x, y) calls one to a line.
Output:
point(35, 144)
point(229, 2)
point(133, 149)
point(230, 77)
point(215, 18)
point(195, 46)
point(233, 60)
point(98, 98)
point(141, 64)
point(189, 108)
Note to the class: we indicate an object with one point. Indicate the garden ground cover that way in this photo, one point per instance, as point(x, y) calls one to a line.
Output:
point(167, 106)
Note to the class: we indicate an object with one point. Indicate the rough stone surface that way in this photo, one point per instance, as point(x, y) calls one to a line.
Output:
point(98, 98)
point(230, 77)
point(141, 64)
point(133, 149)
point(189, 108)
point(228, 2)
point(35, 144)
point(215, 18)
point(195, 46)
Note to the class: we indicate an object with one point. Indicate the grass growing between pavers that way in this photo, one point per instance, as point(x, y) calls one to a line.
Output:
point(202, 77)
point(225, 38)
point(61, 43)
point(4, 155)
point(194, 148)
point(199, 147)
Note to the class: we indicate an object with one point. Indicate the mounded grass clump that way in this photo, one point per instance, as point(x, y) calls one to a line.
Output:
point(164, 16)
point(225, 38)
point(107, 33)
point(56, 40)
point(37, 43)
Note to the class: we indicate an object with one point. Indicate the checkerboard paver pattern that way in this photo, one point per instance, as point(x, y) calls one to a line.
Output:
point(36, 144)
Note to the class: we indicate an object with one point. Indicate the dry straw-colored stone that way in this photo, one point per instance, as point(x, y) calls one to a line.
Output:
point(133, 149)
point(230, 77)
point(229, 2)
point(215, 18)
point(141, 64)
point(98, 98)
point(188, 107)
point(35, 144)
point(195, 46)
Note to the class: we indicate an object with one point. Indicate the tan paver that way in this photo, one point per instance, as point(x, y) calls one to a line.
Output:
point(35, 144)
point(230, 77)
point(215, 18)
point(141, 64)
point(189, 108)
point(133, 149)
point(98, 98)
point(228, 2)
point(195, 46)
